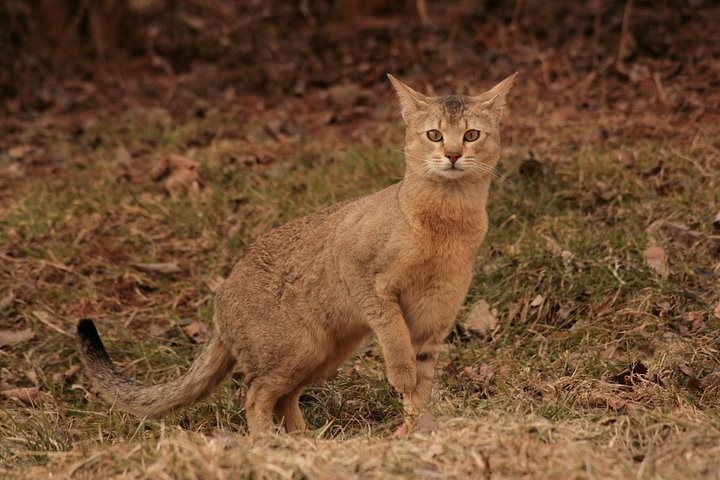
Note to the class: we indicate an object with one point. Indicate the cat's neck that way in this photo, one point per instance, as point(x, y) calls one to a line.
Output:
point(445, 208)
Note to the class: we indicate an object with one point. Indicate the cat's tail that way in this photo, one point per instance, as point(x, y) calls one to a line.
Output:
point(208, 369)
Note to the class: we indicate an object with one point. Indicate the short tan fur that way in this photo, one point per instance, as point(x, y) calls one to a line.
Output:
point(396, 263)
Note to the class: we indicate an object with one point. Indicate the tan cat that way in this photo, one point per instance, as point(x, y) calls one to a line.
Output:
point(396, 263)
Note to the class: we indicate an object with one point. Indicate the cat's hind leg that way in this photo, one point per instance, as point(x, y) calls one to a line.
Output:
point(287, 411)
point(262, 396)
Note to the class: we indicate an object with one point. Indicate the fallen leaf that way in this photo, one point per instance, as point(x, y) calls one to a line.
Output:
point(691, 322)
point(197, 331)
point(25, 394)
point(717, 311)
point(656, 259)
point(11, 337)
point(629, 376)
point(711, 382)
point(554, 248)
point(345, 95)
point(169, 267)
point(160, 169)
point(7, 300)
point(611, 402)
point(182, 181)
point(605, 192)
point(482, 374)
point(675, 230)
point(481, 319)
point(214, 283)
point(181, 172)
point(178, 161)
point(692, 381)
point(537, 301)
point(63, 377)
point(716, 222)
point(19, 151)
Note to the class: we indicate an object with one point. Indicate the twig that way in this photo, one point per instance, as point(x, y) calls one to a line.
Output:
point(624, 35)
point(421, 7)
point(662, 94)
point(43, 317)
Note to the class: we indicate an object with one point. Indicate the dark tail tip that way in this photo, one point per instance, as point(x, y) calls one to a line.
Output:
point(90, 340)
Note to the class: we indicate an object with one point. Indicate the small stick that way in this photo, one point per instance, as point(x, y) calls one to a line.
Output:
point(421, 8)
point(624, 35)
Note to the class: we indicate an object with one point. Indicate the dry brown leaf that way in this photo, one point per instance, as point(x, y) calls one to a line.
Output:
point(7, 300)
point(25, 394)
point(159, 267)
point(537, 301)
point(11, 337)
point(692, 322)
point(19, 151)
point(345, 95)
point(717, 311)
point(62, 377)
point(554, 248)
point(481, 319)
point(716, 222)
point(182, 181)
point(605, 192)
point(160, 169)
point(675, 230)
point(214, 283)
point(181, 172)
point(178, 161)
point(656, 259)
point(197, 331)
point(482, 374)
point(611, 402)
point(711, 382)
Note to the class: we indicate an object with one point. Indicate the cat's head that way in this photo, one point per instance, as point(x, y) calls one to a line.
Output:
point(455, 137)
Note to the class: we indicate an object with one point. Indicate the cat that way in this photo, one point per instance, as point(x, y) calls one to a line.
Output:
point(396, 263)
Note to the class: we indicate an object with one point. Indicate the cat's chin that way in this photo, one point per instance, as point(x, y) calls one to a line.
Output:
point(452, 173)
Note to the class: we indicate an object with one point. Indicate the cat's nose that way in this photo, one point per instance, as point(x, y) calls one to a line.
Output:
point(453, 156)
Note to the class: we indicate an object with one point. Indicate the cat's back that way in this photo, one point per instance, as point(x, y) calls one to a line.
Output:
point(306, 239)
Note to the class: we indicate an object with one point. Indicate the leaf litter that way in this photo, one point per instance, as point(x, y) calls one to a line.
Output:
point(11, 337)
point(546, 411)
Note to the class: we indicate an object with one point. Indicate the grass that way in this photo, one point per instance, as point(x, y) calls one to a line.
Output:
point(598, 368)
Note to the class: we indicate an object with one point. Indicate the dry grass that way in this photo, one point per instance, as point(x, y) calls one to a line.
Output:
point(599, 368)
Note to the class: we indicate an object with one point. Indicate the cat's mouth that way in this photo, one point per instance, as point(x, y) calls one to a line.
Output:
point(452, 171)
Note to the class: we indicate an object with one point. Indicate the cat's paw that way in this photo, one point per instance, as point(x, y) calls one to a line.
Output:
point(402, 376)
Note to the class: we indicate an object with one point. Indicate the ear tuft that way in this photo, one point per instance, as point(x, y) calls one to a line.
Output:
point(410, 100)
point(494, 99)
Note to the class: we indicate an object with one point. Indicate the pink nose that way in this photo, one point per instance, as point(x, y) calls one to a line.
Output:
point(453, 156)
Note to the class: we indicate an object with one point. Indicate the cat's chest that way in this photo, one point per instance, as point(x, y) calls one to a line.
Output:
point(432, 289)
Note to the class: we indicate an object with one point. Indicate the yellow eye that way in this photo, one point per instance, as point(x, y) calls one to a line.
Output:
point(471, 135)
point(434, 135)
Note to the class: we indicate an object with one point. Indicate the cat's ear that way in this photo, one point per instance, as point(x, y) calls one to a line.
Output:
point(410, 100)
point(494, 99)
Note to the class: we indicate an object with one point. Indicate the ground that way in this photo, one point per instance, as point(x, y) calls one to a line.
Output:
point(588, 344)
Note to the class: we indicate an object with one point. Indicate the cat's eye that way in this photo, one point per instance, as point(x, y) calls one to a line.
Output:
point(471, 135)
point(434, 135)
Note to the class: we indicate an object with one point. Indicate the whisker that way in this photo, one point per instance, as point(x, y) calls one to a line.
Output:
point(426, 170)
point(494, 172)
point(408, 154)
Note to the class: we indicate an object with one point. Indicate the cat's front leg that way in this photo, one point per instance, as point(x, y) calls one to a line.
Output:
point(415, 402)
point(385, 318)
point(394, 339)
